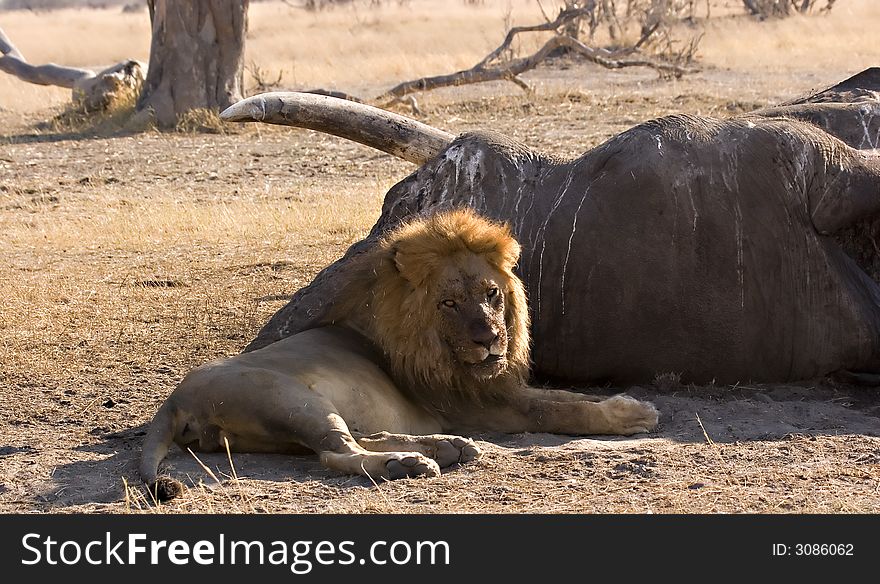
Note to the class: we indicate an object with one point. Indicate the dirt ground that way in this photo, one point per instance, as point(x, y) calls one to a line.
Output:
point(128, 259)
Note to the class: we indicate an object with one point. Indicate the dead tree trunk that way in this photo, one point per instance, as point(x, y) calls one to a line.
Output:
point(196, 57)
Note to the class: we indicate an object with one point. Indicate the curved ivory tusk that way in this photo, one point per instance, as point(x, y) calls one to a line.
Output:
point(374, 127)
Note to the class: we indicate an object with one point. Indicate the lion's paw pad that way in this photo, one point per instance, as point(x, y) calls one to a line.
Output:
point(456, 449)
point(411, 465)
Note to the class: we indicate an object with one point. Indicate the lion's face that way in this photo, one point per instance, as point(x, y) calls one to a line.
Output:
point(470, 320)
point(438, 294)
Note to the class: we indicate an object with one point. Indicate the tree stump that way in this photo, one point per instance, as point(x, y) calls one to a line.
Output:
point(196, 57)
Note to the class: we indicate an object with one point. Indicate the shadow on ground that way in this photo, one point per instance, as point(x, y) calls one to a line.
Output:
point(688, 415)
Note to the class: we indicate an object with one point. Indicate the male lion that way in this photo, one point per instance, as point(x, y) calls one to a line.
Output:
point(432, 337)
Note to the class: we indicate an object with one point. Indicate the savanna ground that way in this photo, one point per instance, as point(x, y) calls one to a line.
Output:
point(126, 259)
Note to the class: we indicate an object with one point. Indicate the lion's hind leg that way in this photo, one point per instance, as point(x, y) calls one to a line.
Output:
point(445, 449)
point(311, 420)
point(348, 456)
point(328, 435)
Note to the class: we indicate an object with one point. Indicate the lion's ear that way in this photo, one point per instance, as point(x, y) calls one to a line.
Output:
point(406, 265)
point(401, 262)
point(396, 258)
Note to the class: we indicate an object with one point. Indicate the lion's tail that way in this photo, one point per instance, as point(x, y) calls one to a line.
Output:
point(156, 445)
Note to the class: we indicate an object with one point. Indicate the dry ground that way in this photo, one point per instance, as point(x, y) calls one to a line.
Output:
point(127, 259)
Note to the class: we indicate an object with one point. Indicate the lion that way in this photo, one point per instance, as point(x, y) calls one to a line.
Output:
point(429, 340)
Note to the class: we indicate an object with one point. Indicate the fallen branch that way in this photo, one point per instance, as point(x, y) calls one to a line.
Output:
point(511, 70)
point(14, 63)
point(485, 70)
point(335, 93)
point(91, 91)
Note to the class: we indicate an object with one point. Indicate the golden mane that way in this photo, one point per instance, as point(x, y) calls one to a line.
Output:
point(388, 298)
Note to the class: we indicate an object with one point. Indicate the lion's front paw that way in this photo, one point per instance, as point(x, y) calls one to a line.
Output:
point(455, 449)
point(627, 415)
point(399, 465)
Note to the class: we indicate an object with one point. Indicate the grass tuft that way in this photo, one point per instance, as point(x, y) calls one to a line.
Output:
point(76, 119)
point(202, 120)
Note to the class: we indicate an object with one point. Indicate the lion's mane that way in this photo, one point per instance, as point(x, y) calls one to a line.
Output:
point(387, 297)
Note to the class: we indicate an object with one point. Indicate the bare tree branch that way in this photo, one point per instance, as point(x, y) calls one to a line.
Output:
point(510, 70)
point(14, 63)
point(612, 61)
point(565, 16)
point(91, 91)
point(7, 48)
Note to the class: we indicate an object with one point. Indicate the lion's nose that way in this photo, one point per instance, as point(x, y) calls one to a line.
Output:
point(483, 335)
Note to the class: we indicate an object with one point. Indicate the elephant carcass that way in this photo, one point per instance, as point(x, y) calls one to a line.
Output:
point(724, 250)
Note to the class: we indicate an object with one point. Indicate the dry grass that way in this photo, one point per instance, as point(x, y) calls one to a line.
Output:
point(799, 43)
point(115, 117)
point(101, 278)
point(355, 48)
point(362, 49)
point(202, 120)
point(145, 227)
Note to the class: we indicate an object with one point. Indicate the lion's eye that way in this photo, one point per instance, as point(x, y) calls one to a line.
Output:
point(492, 293)
point(448, 303)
